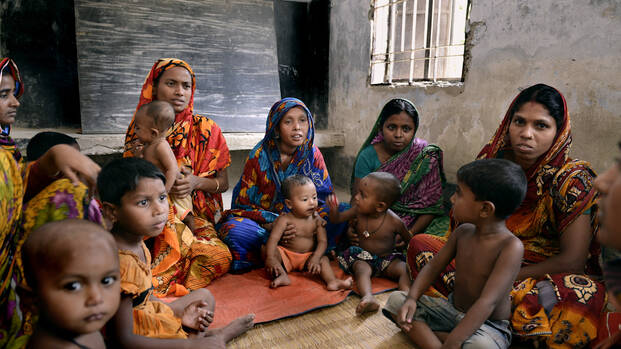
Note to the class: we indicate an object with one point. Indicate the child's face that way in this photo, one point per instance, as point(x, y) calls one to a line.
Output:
point(82, 292)
point(143, 127)
point(293, 127)
point(609, 186)
point(465, 206)
point(8, 102)
point(144, 211)
point(366, 199)
point(303, 201)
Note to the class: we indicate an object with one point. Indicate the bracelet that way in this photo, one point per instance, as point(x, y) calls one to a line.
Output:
point(217, 185)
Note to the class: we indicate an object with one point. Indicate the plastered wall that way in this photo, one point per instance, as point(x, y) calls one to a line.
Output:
point(571, 45)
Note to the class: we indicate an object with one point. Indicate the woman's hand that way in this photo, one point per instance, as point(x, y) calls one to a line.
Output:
point(288, 234)
point(186, 183)
point(70, 163)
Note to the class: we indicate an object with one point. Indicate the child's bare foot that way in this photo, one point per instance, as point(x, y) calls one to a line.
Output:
point(235, 327)
point(197, 316)
point(367, 304)
point(338, 284)
point(281, 280)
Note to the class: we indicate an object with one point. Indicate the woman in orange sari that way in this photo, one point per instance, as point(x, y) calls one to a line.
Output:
point(556, 302)
point(184, 259)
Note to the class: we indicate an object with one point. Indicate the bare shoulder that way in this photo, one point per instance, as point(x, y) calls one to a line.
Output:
point(394, 220)
point(463, 230)
point(511, 243)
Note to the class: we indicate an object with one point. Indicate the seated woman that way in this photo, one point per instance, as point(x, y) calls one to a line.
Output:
point(32, 194)
point(286, 149)
point(392, 147)
point(555, 302)
point(184, 259)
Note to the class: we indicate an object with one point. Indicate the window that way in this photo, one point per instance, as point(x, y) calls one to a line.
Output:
point(417, 42)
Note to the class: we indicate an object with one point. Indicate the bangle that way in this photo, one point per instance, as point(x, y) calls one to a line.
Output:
point(217, 185)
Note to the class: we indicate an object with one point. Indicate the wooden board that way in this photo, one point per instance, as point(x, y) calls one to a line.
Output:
point(230, 44)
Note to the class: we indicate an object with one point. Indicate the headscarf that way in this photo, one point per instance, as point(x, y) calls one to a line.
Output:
point(6, 142)
point(415, 166)
point(195, 140)
point(559, 191)
point(257, 194)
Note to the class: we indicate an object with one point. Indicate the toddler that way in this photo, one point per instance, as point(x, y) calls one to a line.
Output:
point(135, 201)
point(305, 251)
point(72, 269)
point(376, 226)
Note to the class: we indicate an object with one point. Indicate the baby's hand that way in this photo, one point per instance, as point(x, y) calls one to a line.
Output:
point(273, 267)
point(333, 202)
point(137, 148)
point(313, 266)
point(197, 316)
point(406, 314)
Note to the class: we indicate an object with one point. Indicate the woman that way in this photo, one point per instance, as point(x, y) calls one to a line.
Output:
point(183, 261)
point(392, 147)
point(31, 195)
point(556, 223)
point(286, 149)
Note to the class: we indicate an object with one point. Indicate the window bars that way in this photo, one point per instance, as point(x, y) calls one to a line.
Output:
point(417, 40)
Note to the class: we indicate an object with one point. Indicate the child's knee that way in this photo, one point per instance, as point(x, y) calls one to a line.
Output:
point(361, 267)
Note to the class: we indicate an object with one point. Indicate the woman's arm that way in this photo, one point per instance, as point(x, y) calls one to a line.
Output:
point(68, 161)
point(421, 223)
point(575, 242)
point(190, 182)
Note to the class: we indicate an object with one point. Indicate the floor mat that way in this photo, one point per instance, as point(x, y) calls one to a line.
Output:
point(237, 295)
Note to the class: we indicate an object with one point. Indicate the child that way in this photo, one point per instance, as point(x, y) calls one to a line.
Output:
point(72, 268)
point(375, 226)
point(305, 250)
point(40, 143)
point(487, 257)
point(135, 201)
point(150, 124)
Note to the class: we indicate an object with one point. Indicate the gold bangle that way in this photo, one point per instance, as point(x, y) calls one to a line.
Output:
point(217, 185)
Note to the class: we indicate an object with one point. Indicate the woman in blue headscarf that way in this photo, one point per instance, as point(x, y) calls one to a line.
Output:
point(286, 149)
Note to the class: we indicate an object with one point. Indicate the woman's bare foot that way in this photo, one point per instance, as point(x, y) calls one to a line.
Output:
point(281, 280)
point(234, 328)
point(367, 304)
point(338, 284)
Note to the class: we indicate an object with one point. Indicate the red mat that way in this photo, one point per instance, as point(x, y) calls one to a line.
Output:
point(238, 295)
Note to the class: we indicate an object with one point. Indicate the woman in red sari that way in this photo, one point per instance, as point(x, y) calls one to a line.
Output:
point(555, 301)
point(184, 259)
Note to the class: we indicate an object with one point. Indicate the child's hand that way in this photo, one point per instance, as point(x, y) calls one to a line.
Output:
point(352, 236)
point(197, 316)
point(333, 202)
point(273, 267)
point(406, 314)
point(313, 266)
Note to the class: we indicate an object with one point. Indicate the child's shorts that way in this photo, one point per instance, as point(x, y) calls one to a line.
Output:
point(293, 260)
point(440, 315)
point(378, 264)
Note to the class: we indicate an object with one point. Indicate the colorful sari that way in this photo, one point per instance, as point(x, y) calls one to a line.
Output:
point(52, 200)
point(419, 169)
point(559, 191)
point(184, 261)
point(257, 196)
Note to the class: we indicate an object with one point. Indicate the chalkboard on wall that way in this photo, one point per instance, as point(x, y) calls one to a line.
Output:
point(230, 44)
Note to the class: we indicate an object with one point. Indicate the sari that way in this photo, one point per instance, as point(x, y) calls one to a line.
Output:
point(257, 197)
point(419, 169)
point(28, 199)
point(560, 190)
point(183, 261)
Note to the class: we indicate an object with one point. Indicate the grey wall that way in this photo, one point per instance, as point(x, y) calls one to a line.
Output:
point(571, 45)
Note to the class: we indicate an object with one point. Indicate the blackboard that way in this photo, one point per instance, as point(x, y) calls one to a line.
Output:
point(230, 44)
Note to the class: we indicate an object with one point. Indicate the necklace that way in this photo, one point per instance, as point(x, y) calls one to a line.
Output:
point(366, 233)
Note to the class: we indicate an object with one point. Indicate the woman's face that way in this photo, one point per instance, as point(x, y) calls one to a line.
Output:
point(609, 186)
point(532, 131)
point(293, 127)
point(8, 102)
point(398, 130)
point(174, 87)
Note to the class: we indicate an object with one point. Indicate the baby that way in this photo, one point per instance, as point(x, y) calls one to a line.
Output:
point(305, 251)
point(72, 268)
point(135, 201)
point(375, 226)
point(151, 124)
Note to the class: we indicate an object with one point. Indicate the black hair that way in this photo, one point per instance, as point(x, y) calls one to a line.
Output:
point(396, 106)
point(293, 181)
point(545, 95)
point(390, 187)
point(43, 141)
point(500, 181)
point(161, 112)
point(121, 176)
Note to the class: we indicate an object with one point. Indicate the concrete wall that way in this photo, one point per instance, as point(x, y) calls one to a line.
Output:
point(571, 45)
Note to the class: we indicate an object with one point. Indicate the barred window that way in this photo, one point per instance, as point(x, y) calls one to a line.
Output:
point(417, 41)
